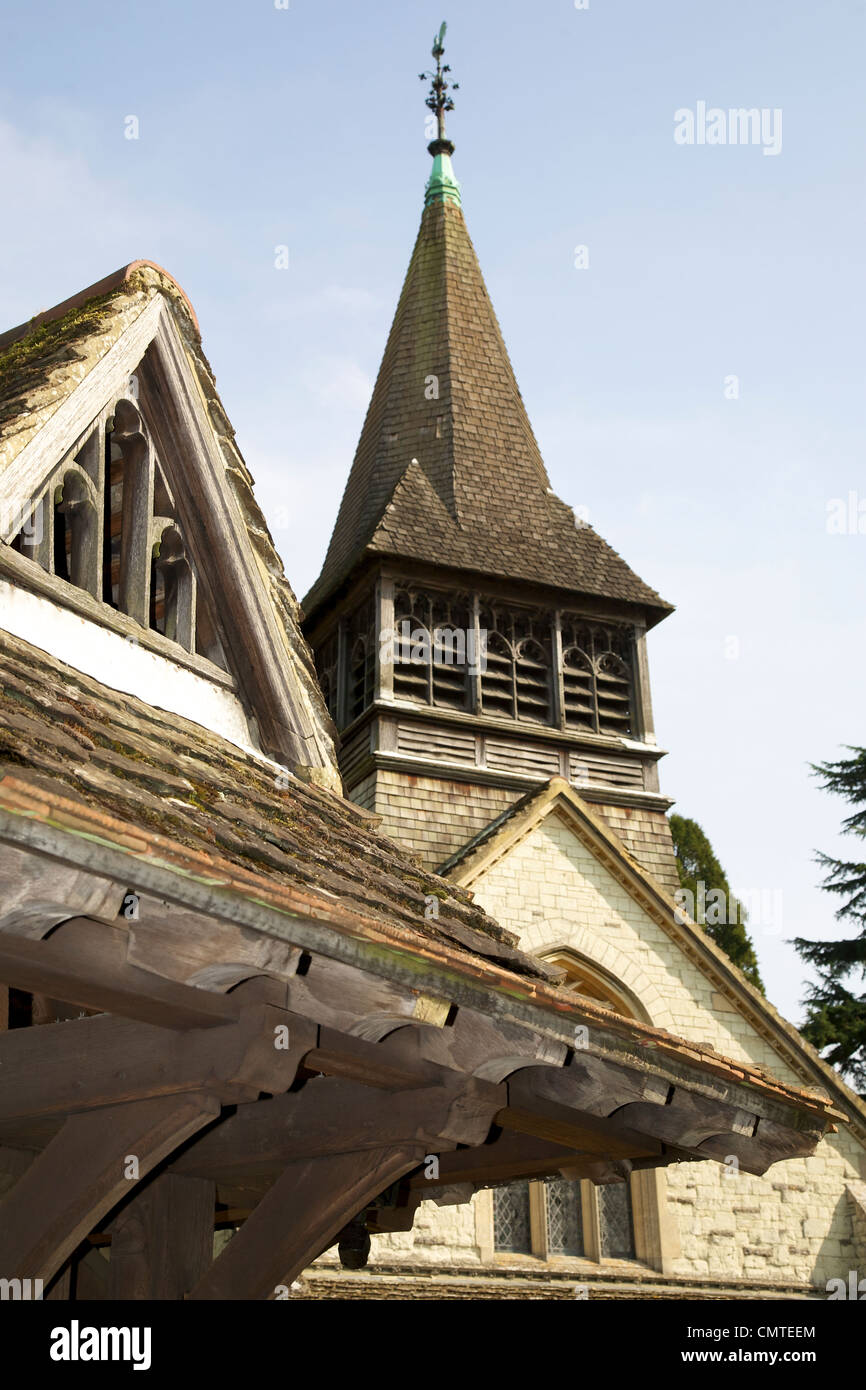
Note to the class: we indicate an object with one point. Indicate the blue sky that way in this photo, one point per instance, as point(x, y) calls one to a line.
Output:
point(304, 127)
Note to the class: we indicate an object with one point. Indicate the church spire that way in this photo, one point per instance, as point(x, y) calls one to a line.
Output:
point(448, 471)
point(442, 185)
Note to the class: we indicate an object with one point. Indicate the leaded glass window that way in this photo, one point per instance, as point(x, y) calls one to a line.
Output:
point(564, 1217)
point(511, 1228)
point(615, 1221)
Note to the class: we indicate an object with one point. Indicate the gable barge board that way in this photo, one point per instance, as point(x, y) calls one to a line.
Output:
point(211, 517)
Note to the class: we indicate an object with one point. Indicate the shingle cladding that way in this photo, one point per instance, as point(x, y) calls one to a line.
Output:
point(447, 469)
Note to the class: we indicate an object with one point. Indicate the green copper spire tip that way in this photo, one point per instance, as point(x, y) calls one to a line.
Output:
point(442, 185)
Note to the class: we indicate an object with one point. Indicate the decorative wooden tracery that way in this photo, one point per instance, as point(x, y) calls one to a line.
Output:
point(483, 657)
point(106, 523)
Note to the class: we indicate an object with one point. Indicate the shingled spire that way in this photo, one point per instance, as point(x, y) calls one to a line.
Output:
point(447, 469)
point(472, 637)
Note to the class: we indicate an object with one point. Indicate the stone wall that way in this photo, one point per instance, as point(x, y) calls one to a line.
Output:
point(796, 1225)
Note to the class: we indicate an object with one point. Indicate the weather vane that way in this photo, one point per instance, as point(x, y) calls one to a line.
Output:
point(439, 101)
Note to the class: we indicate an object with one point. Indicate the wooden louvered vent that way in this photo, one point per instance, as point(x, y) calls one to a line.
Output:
point(516, 683)
point(596, 677)
point(430, 650)
point(362, 660)
point(532, 671)
point(497, 681)
point(578, 686)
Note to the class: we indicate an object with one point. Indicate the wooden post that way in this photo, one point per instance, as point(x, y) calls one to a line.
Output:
point(82, 1174)
point(299, 1218)
point(384, 610)
point(162, 1240)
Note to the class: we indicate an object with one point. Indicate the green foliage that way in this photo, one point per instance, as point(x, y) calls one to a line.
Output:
point(836, 1016)
point(701, 874)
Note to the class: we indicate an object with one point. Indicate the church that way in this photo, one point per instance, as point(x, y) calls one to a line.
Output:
point(534, 782)
point(339, 954)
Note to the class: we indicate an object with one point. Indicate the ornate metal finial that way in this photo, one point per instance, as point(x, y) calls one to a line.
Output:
point(439, 101)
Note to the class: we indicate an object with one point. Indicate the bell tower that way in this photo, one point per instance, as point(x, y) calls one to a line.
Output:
point(473, 637)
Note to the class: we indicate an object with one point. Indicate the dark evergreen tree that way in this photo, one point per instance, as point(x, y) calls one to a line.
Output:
point(835, 1012)
point(702, 875)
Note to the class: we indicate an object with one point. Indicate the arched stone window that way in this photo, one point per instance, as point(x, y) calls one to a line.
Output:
point(590, 981)
point(560, 1217)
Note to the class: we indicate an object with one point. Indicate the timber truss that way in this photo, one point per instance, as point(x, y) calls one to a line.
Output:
point(240, 1067)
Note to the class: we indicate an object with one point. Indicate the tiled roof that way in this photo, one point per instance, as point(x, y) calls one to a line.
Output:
point(456, 478)
point(170, 788)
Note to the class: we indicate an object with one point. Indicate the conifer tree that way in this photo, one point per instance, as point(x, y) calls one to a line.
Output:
point(835, 1010)
point(702, 875)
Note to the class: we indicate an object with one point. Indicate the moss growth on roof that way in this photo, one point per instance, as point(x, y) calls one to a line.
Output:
point(26, 362)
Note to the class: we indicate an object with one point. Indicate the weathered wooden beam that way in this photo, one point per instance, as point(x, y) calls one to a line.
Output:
point(687, 1120)
point(89, 1063)
point(392, 1065)
point(508, 1157)
point(299, 1218)
point(488, 1048)
point(331, 1115)
point(83, 1174)
point(162, 1239)
point(85, 963)
point(593, 1084)
point(771, 1143)
point(529, 1111)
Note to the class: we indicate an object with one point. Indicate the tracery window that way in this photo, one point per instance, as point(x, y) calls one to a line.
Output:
point(362, 658)
point(433, 637)
point(106, 523)
point(596, 676)
point(516, 683)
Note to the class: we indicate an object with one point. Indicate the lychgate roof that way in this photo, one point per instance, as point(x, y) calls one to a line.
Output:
point(201, 803)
